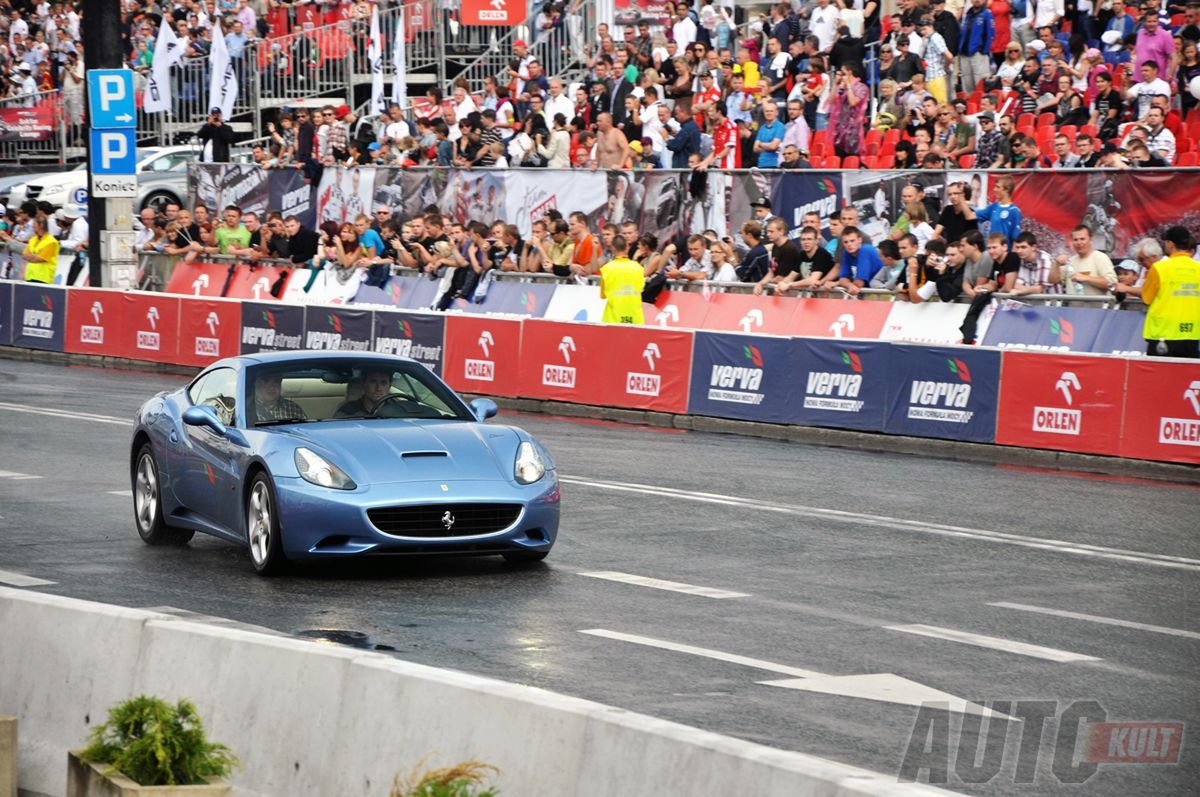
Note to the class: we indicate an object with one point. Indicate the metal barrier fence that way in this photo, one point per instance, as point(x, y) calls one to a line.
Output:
point(38, 127)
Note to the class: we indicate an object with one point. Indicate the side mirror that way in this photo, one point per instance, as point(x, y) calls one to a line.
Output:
point(207, 417)
point(483, 409)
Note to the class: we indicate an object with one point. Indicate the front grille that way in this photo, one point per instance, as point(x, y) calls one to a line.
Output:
point(432, 520)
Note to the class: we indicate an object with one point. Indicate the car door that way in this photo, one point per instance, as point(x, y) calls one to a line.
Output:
point(206, 479)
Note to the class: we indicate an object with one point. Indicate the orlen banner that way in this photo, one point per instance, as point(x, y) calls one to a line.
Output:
point(508, 13)
point(271, 327)
point(340, 328)
point(748, 377)
point(675, 309)
point(1070, 403)
point(647, 368)
point(943, 392)
point(6, 317)
point(420, 336)
point(151, 327)
point(829, 318)
point(1162, 411)
point(198, 279)
point(39, 316)
point(94, 322)
point(843, 384)
point(482, 354)
point(562, 361)
point(258, 283)
point(209, 329)
point(753, 315)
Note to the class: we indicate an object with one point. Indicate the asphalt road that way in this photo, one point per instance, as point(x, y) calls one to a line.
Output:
point(840, 563)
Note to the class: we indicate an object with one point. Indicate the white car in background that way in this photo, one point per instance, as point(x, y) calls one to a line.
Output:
point(71, 188)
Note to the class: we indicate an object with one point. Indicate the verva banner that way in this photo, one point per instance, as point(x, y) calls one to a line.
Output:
point(209, 329)
point(482, 354)
point(749, 377)
point(39, 316)
point(1064, 402)
point(493, 12)
point(842, 384)
point(271, 327)
point(421, 336)
point(6, 317)
point(828, 318)
point(1162, 411)
point(564, 362)
point(198, 279)
point(151, 327)
point(337, 328)
point(950, 393)
point(94, 322)
point(1038, 328)
point(259, 283)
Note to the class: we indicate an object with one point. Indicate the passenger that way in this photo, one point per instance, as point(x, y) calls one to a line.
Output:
point(269, 403)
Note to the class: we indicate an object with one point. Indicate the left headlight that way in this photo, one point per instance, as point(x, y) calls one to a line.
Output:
point(529, 466)
point(316, 469)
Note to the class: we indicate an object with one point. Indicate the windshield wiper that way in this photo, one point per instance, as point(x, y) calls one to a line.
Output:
point(278, 421)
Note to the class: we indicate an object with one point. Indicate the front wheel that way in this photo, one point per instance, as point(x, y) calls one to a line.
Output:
point(147, 504)
point(262, 527)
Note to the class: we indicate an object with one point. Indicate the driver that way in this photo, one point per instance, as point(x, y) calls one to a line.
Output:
point(377, 385)
point(269, 403)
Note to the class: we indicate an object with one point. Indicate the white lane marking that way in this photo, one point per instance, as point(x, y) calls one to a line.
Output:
point(22, 580)
point(16, 477)
point(68, 414)
point(122, 493)
point(995, 643)
point(887, 521)
point(672, 586)
point(1092, 618)
point(707, 653)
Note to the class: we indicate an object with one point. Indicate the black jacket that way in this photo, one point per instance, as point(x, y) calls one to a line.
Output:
point(303, 245)
point(221, 137)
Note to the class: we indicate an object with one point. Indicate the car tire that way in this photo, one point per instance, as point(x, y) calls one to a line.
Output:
point(159, 201)
point(263, 536)
point(524, 557)
point(147, 503)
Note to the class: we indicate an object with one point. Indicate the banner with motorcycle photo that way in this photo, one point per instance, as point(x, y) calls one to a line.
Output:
point(668, 203)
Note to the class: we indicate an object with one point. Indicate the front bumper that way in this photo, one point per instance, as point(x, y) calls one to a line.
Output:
point(321, 523)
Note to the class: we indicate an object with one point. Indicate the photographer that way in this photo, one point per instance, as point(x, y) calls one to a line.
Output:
point(217, 138)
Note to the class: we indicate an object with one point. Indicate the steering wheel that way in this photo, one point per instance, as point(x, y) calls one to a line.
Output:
point(410, 405)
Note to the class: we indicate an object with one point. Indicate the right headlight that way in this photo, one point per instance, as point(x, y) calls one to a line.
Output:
point(529, 466)
point(316, 469)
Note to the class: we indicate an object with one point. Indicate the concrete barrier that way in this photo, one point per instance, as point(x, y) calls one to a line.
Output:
point(311, 719)
point(8, 756)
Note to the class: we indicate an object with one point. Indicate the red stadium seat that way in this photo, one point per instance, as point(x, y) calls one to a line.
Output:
point(1187, 159)
point(1045, 120)
point(832, 162)
point(873, 149)
point(1070, 131)
point(1090, 130)
point(887, 150)
point(888, 162)
point(874, 136)
point(817, 149)
point(1173, 122)
point(1028, 131)
point(892, 137)
point(1183, 145)
point(851, 162)
point(1026, 120)
point(870, 161)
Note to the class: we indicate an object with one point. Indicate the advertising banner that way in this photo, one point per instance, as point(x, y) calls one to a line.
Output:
point(1070, 403)
point(793, 194)
point(292, 195)
point(337, 328)
point(943, 392)
point(677, 310)
point(577, 303)
point(260, 283)
point(421, 336)
point(27, 124)
point(647, 368)
point(749, 314)
point(565, 361)
point(327, 286)
point(936, 323)
point(272, 327)
point(243, 185)
point(209, 329)
point(94, 322)
point(1039, 328)
point(482, 354)
point(1121, 333)
point(531, 192)
point(741, 376)
point(842, 384)
point(400, 293)
point(507, 13)
point(1162, 411)
point(151, 326)
point(519, 298)
point(198, 279)
point(6, 316)
point(39, 316)
point(830, 318)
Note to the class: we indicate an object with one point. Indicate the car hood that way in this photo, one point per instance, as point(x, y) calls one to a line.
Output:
point(397, 450)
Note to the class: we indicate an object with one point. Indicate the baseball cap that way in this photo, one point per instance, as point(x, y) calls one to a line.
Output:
point(924, 22)
point(761, 202)
point(341, 111)
point(1037, 45)
point(213, 110)
point(636, 146)
point(1128, 265)
point(520, 43)
point(991, 117)
point(374, 145)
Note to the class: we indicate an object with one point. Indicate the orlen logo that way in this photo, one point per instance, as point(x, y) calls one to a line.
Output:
point(640, 384)
point(844, 323)
point(667, 316)
point(738, 383)
point(93, 333)
point(482, 370)
point(1063, 329)
point(210, 346)
point(1183, 431)
point(931, 400)
point(39, 323)
point(554, 375)
point(836, 391)
point(1060, 420)
point(261, 285)
point(752, 319)
point(149, 339)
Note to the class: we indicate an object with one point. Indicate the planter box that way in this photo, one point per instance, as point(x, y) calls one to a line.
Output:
point(90, 780)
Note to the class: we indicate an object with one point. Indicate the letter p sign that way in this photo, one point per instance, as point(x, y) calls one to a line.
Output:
point(114, 152)
point(113, 148)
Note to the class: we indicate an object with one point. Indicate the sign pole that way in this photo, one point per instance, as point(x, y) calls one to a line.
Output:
point(108, 216)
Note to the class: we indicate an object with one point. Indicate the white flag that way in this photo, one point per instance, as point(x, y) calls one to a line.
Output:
point(222, 81)
point(168, 52)
point(399, 87)
point(375, 58)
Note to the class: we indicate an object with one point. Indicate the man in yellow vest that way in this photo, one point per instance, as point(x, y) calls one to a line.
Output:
point(621, 284)
point(41, 253)
point(1172, 296)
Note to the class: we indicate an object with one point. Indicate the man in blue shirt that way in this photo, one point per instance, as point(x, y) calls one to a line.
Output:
point(975, 45)
point(1004, 216)
point(769, 139)
point(860, 262)
point(687, 141)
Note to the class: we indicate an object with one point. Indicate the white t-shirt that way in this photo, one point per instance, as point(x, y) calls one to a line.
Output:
point(684, 33)
point(396, 130)
point(1145, 92)
point(823, 24)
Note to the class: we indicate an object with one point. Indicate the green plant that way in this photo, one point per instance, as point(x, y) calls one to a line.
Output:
point(155, 743)
point(462, 780)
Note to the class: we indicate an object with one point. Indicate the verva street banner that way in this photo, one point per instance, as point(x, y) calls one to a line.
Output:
point(1162, 411)
point(209, 329)
point(748, 377)
point(950, 393)
point(1039, 328)
point(421, 336)
point(272, 327)
point(39, 316)
point(482, 354)
point(1064, 402)
point(330, 328)
point(1121, 333)
point(507, 13)
point(842, 384)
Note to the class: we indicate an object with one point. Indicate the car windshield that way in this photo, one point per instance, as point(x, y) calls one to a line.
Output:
point(312, 391)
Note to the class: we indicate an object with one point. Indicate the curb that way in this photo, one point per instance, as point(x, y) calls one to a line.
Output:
point(985, 453)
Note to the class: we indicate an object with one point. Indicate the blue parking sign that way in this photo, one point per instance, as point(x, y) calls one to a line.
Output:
point(114, 152)
point(111, 101)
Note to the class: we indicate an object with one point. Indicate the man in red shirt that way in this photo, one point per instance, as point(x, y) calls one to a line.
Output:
point(586, 258)
point(704, 100)
point(725, 154)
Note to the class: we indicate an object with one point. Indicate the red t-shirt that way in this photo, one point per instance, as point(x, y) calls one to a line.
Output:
point(707, 97)
point(726, 135)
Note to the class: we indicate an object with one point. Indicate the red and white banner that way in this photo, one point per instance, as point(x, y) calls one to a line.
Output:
point(493, 12)
point(677, 310)
point(482, 354)
point(1162, 411)
point(198, 279)
point(151, 329)
point(830, 318)
point(256, 283)
point(1064, 402)
point(95, 322)
point(26, 124)
point(564, 362)
point(208, 330)
point(749, 314)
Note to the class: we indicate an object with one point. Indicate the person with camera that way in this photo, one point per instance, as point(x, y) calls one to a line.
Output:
point(217, 138)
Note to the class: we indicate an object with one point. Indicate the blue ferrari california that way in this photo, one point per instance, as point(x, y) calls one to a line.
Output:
point(317, 455)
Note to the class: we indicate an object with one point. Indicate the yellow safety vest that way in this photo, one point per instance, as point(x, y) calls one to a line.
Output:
point(45, 247)
point(1174, 312)
point(623, 280)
